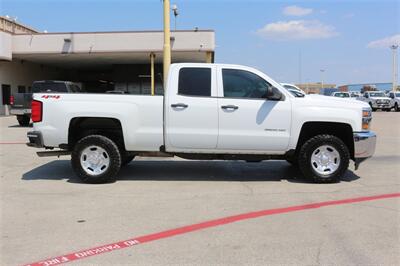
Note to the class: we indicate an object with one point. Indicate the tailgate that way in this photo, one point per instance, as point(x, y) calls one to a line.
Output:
point(22, 100)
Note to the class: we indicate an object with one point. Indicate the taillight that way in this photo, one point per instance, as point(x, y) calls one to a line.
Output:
point(37, 111)
point(11, 100)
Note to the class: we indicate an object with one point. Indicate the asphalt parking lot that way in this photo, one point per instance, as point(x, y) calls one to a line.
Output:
point(46, 212)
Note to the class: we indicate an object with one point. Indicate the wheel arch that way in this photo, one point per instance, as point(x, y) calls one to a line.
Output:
point(110, 127)
point(343, 131)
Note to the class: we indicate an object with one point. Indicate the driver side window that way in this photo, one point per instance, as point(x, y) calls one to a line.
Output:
point(243, 84)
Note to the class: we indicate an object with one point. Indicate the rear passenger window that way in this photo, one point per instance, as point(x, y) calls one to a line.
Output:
point(195, 81)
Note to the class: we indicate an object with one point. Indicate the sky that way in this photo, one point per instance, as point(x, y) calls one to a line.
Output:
point(291, 41)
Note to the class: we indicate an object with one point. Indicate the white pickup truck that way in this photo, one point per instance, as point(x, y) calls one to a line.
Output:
point(376, 100)
point(208, 112)
point(395, 100)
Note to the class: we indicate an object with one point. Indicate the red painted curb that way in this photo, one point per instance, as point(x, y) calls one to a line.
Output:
point(195, 227)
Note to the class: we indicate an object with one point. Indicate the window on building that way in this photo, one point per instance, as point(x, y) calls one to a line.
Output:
point(195, 81)
point(244, 84)
point(21, 89)
point(6, 93)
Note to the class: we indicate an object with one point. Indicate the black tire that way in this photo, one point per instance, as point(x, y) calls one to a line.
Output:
point(310, 146)
point(127, 158)
point(23, 120)
point(112, 152)
point(396, 107)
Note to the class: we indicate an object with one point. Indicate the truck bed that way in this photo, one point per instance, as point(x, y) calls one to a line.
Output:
point(141, 116)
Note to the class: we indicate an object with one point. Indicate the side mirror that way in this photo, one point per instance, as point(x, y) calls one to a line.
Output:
point(273, 95)
point(270, 92)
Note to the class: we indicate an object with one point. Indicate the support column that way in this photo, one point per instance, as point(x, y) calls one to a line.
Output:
point(167, 42)
point(152, 56)
point(209, 57)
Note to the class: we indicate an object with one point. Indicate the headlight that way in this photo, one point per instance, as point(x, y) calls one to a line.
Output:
point(366, 118)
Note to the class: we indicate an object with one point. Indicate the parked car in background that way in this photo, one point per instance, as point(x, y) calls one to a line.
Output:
point(294, 90)
point(296, 93)
point(208, 112)
point(341, 94)
point(377, 100)
point(292, 87)
point(395, 100)
point(21, 102)
point(355, 94)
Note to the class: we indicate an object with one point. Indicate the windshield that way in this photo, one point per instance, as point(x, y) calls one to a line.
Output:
point(377, 94)
point(342, 95)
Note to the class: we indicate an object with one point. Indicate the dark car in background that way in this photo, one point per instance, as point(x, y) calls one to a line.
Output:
point(21, 102)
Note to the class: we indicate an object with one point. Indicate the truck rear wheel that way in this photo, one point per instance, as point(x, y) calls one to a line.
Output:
point(324, 159)
point(23, 120)
point(96, 159)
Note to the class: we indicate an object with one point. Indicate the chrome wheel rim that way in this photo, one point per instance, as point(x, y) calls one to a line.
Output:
point(325, 160)
point(95, 160)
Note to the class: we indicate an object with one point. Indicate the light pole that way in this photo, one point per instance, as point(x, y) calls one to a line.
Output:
point(300, 66)
point(394, 48)
point(176, 13)
point(322, 78)
point(307, 80)
point(167, 42)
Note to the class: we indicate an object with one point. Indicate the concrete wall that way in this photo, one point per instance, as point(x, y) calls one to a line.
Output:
point(17, 73)
point(111, 42)
point(5, 46)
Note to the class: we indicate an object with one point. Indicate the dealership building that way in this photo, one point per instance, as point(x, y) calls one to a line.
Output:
point(99, 61)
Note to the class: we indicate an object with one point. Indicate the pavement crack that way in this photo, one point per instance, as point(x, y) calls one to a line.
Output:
point(318, 258)
point(249, 188)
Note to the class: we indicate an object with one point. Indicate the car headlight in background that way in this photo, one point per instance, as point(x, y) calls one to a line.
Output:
point(366, 118)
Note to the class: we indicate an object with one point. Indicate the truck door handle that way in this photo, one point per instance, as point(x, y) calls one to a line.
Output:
point(179, 105)
point(226, 107)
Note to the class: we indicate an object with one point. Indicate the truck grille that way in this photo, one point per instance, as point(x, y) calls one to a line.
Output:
point(382, 101)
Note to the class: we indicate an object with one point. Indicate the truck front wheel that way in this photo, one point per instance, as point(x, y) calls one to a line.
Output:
point(23, 120)
point(96, 159)
point(324, 158)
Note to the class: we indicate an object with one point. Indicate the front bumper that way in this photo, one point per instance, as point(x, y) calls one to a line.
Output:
point(364, 146)
point(35, 139)
point(381, 105)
